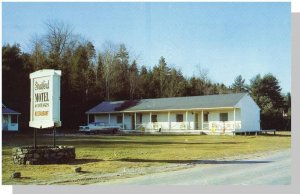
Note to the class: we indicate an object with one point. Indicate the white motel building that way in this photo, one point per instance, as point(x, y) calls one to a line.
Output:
point(210, 114)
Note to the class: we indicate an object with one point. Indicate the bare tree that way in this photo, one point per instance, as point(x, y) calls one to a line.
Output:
point(58, 39)
point(202, 73)
point(108, 56)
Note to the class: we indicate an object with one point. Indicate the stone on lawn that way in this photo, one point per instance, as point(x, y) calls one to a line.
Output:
point(77, 169)
point(15, 175)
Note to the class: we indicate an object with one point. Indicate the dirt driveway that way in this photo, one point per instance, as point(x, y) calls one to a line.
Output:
point(265, 169)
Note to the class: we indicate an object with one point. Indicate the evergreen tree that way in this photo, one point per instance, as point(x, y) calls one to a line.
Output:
point(16, 67)
point(266, 92)
point(161, 74)
point(133, 79)
point(239, 85)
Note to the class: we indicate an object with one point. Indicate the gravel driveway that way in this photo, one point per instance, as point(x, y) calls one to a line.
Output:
point(268, 169)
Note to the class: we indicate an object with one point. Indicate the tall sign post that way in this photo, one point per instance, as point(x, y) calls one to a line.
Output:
point(45, 100)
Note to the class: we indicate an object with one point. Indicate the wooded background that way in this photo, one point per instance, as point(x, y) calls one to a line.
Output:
point(90, 77)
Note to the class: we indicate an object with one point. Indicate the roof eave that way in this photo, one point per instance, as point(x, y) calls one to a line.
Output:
point(163, 110)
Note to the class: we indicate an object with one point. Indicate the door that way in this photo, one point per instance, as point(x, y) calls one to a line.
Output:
point(196, 121)
point(4, 122)
point(132, 121)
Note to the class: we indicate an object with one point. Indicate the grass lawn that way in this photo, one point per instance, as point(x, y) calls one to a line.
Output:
point(99, 155)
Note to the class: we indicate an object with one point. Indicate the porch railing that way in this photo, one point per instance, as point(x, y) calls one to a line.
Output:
point(223, 125)
point(212, 125)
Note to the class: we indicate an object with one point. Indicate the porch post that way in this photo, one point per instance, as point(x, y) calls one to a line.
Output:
point(151, 120)
point(135, 120)
point(186, 119)
point(123, 122)
point(169, 120)
point(202, 119)
point(234, 119)
point(88, 118)
point(108, 118)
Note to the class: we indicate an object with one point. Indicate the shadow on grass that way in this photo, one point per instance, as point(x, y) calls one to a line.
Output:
point(21, 178)
point(196, 161)
point(277, 135)
point(85, 161)
point(84, 172)
point(153, 143)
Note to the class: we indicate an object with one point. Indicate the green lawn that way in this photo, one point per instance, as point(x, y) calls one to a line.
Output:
point(98, 155)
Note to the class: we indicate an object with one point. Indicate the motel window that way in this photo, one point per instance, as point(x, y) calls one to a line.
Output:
point(205, 117)
point(154, 118)
point(223, 116)
point(91, 118)
point(119, 119)
point(179, 117)
point(14, 119)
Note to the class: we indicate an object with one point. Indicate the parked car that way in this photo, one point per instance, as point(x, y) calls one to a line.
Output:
point(99, 127)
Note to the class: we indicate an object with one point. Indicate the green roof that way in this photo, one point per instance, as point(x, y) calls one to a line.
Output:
point(190, 102)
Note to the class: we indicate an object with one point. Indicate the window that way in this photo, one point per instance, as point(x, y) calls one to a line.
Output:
point(119, 119)
point(154, 118)
point(179, 117)
point(205, 119)
point(14, 119)
point(91, 118)
point(141, 118)
point(223, 116)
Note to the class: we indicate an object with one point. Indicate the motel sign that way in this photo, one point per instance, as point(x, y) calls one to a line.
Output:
point(45, 98)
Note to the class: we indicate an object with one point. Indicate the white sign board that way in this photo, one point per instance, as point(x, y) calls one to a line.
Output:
point(45, 98)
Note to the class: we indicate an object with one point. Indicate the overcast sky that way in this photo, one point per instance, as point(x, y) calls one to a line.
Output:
point(227, 39)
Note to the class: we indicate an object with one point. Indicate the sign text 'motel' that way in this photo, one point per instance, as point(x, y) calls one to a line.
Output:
point(45, 98)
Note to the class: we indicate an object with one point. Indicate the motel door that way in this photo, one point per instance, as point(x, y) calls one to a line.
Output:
point(5, 122)
point(196, 121)
point(132, 122)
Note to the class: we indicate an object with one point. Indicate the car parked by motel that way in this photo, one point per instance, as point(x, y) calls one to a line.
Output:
point(99, 127)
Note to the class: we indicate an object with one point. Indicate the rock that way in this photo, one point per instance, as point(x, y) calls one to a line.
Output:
point(45, 155)
point(77, 169)
point(16, 175)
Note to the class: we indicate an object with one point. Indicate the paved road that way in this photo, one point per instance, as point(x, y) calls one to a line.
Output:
point(274, 169)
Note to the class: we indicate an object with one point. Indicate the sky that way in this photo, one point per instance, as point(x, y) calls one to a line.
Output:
point(226, 39)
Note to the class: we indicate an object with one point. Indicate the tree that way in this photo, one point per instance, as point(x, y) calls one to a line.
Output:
point(239, 85)
point(100, 79)
point(146, 85)
point(58, 39)
point(133, 79)
point(120, 74)
point(16, 67)
point(39, 56)
point(108, 59)
point(161, 74)
point(176, 84)
point(287, 111)
point(266, 92)
point(202, 74)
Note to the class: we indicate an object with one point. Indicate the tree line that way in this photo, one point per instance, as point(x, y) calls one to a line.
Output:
point(90, 77)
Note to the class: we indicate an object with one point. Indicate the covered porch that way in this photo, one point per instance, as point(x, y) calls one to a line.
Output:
point(205, 120)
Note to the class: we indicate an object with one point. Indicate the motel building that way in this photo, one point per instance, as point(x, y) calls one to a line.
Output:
point(10, 119)
point(211, 114)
